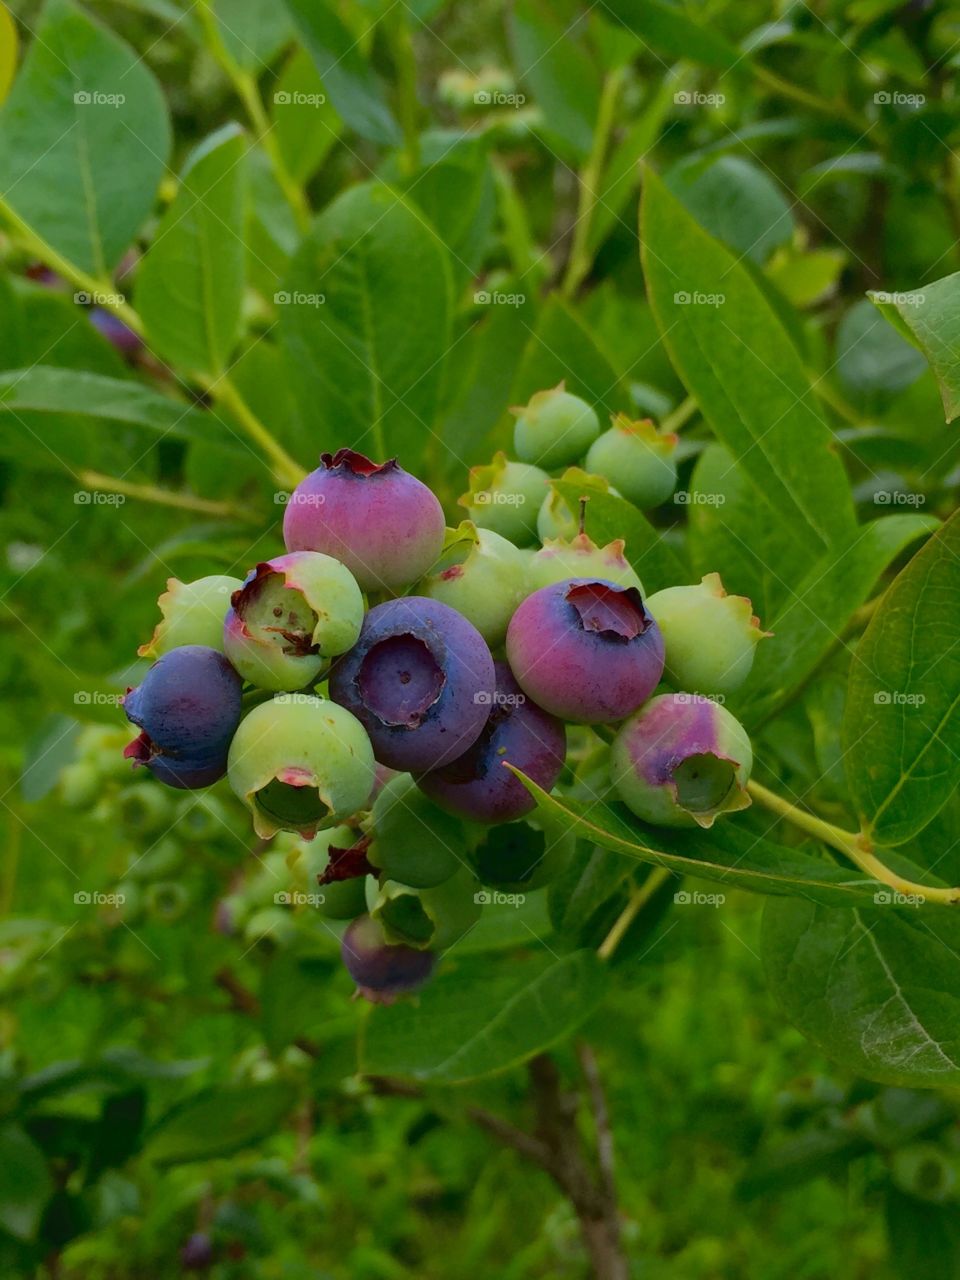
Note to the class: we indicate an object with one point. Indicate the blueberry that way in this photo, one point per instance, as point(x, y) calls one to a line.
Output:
point(476, 785)
point(681, 761)
point(327, 870)
point(637, 457)
point(505, 497)
point(380, 521)
point(197, 1252)
point(420, 679)
point(187, 708)
point(483, 576)
point(710, 637)
point(291, 614)
point(429, 919)
point(381, 970)
point(413, 840)
point(554, 429)
point(580, 557)
point(586, 650)
point(191, 613)
point(517, 857)
point(556, 517)
point(300, 763)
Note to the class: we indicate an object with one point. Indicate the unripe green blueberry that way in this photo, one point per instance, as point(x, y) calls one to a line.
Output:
point(192, 613)
point(505, 497)
point(413, 841)
point(167, 901)
point(681, 760)
point(710, 637)
point(580, 557)
point(641, 459)
point(80, 784)
point(143, 808)
point(160, 861)
point(300, 763)
point(926, 1171)
point(202, 818)
point(428, 919)
point(518, 857)
point(482, 575)
point(291, 614)
point(555, 428)
point(556, 518)
point(309, 860)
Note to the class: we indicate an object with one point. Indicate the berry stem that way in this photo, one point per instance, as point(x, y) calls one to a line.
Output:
point(680, 415)
point(226, 394)
point(165, 497)
point(638, 900)
point(581, 258)
point(405, 62)
point(853, 845)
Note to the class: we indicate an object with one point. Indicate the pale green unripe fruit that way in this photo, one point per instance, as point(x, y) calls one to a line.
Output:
point(580, 557)
point(555, 428)
point(505, 496)
point(710, 637)
point(414, 841)
point(192, 613)
point(309, 859)
point(641, 459)
point(300, 763)
point(428, 919)
point(556, 517)
point(483, 576)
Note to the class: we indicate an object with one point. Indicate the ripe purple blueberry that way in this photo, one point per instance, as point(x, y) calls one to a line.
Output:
point(380, 521)
point(585, 650)
point(477, 785)
point(681, 761)
point(187, 709)
point(420, 680)
point(382, 971)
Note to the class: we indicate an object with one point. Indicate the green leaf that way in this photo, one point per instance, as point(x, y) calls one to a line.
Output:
point(872, 357)
point(818, 608)
point(9, 47)
point(735, 201)
point(25, 1183)
point(730, 852)
point(253, 31)
point(563, 347)
point(930, 318)
point(103, 157)
point(878, 990)
point(350, 82)
point(668, 31)
point(483, 1016)
point(609, 517)
point(304, 120)
point(190, 284)
point(553, 62)
point(738, 361)
point(901, 725)
point(924, 1238)
point(47, 751)
point(366, 324)
point(219, 1121)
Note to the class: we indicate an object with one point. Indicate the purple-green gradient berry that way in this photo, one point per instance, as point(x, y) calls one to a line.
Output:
point(191, 613)
point(477, 785)
point(384, 524)
point(187, 709)
point(420, 679)
point(300, 763)
point(585, 650)
point(382, 970)
point(483, 576)
point(289, 617)
point(555, 428)
point(681, 761)
point(505, 497)
point(638, 459)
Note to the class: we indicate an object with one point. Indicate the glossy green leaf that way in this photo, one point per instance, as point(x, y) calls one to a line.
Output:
point(365, 319)
point(253, 31)
point(670, 32)
point(190, 284)
point(9, 47)
point(88, 106)
point(877, 989)
point(25, 1182)
point(901, 726)
point(819, 607)
point(564, 347)
point(736, 201)
point(481, 1017)
point(305, 122)
point(219, 1121)
point(930, 317)
point(737, 360)
point(555, 67)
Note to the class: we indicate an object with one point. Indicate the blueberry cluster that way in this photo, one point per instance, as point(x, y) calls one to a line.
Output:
point(364, 692)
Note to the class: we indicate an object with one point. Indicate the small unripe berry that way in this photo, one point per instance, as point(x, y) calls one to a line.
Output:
point(554, 428)
point(710, 637)
point(300, 763)
point(517, 857)
point(382, 970)
point(557, 518)
point(505, 496)
point(380, 521)
point(413, 840)
point(291, 614)
point(483, 576)
point(580, 557)
point(429, 919)
point(586, 650)
point(311, 861)
point(638, 458)
point(420, 679)
point(192, 613)
point(681, 761)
